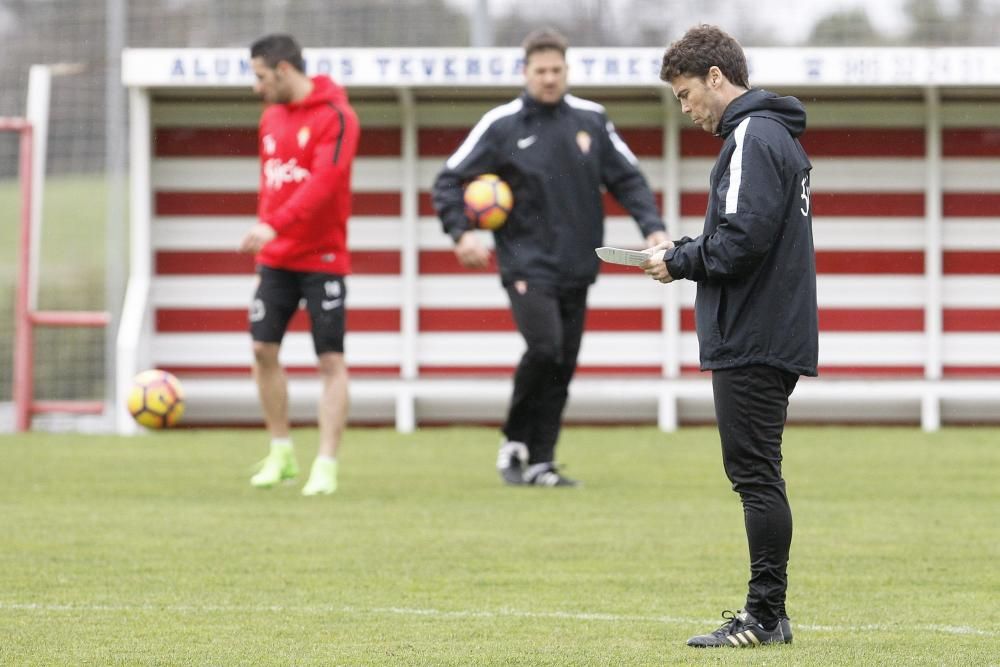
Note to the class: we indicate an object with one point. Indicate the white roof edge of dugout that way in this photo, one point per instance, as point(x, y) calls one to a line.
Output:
point(610, 67)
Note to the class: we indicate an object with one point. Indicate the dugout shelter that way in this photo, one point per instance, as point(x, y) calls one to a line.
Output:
point(905, 145)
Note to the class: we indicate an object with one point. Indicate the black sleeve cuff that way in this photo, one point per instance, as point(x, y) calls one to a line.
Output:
point(675, 263)
point(456, 232)
point(456, 224)
point(653, 225)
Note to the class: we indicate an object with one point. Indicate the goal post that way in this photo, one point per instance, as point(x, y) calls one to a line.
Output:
point(28, 316)
point(23, 384)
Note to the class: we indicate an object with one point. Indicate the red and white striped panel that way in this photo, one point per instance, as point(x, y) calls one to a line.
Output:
point(971, 290)
point(204, 176)
point(868, 182)
point(465, 322)
point(868, 204)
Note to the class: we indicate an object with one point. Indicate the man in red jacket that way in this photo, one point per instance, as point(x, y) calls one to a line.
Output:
point(307, 141)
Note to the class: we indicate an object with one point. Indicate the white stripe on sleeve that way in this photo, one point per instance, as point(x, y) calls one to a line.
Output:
point(736, 168)
point(620, 144)
point(491, 116)
point(580, 103)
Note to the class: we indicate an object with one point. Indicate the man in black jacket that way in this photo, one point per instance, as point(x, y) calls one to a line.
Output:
point(755, 308)
point(556, 151)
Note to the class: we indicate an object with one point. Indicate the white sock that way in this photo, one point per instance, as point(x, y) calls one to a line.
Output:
point(324, 457)
point(281, 443)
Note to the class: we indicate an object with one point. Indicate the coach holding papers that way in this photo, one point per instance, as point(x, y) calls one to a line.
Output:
point(755, 309)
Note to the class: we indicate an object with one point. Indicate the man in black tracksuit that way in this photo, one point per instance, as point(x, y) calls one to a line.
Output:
point(755, 309)
point(555, 151)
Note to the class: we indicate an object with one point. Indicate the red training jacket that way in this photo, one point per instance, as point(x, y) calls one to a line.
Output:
point(306, 149)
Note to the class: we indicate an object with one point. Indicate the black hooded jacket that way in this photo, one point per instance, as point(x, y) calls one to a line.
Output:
point(555, 158)
point(755, 263)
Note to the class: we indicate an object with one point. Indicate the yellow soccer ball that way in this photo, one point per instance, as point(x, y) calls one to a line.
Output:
point(488, 201)
point(156, 399)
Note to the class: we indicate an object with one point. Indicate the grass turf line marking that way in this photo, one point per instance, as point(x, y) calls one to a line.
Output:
point(439, 613)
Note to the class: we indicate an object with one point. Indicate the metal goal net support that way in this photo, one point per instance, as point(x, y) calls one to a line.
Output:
point(27, 316)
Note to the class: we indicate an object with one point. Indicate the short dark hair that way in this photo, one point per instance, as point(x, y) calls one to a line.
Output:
point(276, 48)
point(699, 49)
point(544, 39)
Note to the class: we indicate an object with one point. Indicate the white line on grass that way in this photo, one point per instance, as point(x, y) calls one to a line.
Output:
point(439, 613)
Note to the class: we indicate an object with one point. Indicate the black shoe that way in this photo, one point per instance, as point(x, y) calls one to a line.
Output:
point(510, 461)
point(741, 630)
point(547, 475)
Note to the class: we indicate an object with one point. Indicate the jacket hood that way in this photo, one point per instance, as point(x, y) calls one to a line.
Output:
point(757, 102)
point(325, 91)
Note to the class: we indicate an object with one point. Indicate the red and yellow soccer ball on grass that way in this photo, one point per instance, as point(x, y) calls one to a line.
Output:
point(488, 201)
point(156, 399)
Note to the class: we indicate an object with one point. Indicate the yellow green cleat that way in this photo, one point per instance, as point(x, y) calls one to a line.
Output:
point(280, 465)
point(322, 478)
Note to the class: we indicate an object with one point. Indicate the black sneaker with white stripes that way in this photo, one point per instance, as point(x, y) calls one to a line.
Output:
point(547, 474)
point(742, 630)
point(511, 460)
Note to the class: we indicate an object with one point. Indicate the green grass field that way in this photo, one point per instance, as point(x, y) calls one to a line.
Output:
point(73, 227)
point(156, 551)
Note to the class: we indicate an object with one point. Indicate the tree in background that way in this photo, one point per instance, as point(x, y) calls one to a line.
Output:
point(971, 25)
point(584, 22)
point(929, 25)
point(646, 23)
point(849, 27)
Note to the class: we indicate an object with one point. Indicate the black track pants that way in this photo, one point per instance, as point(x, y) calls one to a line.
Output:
point(751, 406)
point(551, 320)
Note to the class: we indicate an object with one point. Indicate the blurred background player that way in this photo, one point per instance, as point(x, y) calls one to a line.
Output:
point(556, 151)
point(755, 310)
point(307, 141)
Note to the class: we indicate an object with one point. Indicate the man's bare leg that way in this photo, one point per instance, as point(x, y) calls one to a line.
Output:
point(272, 387)
point(333, 404)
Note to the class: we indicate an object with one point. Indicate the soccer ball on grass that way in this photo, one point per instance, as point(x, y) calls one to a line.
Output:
point(156, 399)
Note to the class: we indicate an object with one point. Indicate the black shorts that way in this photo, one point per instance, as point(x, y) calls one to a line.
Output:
point(280, 293)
